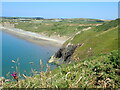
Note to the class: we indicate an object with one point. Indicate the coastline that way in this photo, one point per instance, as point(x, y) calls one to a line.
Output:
point(33, 37)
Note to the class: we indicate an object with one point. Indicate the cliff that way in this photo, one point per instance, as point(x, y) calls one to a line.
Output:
point(97, 40)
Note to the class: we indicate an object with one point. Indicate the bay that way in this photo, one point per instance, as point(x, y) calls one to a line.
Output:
point(23, 56)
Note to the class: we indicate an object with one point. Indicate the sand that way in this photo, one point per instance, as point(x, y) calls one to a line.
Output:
point(34, 37)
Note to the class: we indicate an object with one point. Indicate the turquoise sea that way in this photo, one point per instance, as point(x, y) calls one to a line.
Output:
point(22, 56)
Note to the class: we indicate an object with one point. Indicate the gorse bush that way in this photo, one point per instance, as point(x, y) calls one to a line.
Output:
point(108, 25)
point(95, 72)
point(115, 59)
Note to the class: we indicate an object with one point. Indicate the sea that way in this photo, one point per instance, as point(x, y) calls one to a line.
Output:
point(24, 57)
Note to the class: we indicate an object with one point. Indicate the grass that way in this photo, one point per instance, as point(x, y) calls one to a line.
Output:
point(94, 42)
point(66, 27)
point(96, 72)
point(51, 29)
point(96, 64)
point(108, 25)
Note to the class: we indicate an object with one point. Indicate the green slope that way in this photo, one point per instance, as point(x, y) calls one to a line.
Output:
point(97, 63)
point(66, 27)
point(108, 25)
point(95, 42)
point(100, 71)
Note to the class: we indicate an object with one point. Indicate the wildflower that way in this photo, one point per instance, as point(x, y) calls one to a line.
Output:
point(14, 74)
point(13, 61)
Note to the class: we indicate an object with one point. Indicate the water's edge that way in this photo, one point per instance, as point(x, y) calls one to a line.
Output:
point(37, 60)
point(33, 37)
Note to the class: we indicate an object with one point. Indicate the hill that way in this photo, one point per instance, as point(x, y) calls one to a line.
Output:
point(100, 71)
point(100, 39)
point(93, 57)
point(50, 27)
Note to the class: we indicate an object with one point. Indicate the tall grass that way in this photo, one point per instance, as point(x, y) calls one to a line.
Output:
point(95, 72)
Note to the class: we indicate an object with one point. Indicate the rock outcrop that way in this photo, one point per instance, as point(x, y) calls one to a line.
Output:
point(63, 55)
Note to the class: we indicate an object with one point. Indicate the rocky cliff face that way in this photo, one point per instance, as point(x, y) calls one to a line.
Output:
point(63, 55)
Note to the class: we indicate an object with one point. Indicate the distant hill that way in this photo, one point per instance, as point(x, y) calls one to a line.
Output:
point(108, 25)
point(52, 27)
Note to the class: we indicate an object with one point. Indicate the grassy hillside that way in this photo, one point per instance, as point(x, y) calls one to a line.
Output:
point(95, 42)
point(60, 27)
point(96, 63)
point(108, 25)
point(51, 28)
point(100, 71)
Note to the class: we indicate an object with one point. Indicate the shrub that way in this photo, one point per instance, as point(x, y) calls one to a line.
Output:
point(115, 59)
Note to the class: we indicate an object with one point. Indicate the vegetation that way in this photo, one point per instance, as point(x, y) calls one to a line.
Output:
point(59, 27)
point(96, 62)
point(99, 71)
point(50, 29)
point(109, 25)
point(94, 42)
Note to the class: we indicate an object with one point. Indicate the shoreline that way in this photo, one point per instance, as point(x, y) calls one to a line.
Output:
point(33, 37)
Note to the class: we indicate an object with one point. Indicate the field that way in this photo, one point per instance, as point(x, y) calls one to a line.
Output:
point(57, 27)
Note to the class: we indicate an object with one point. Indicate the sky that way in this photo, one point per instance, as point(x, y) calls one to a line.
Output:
point(60, 0)
point(95, 10)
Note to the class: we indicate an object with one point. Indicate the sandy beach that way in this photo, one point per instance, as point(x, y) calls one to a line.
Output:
point(33, 37)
